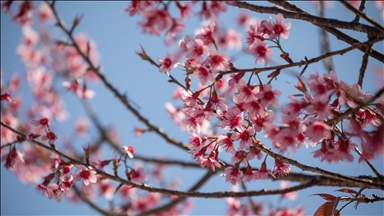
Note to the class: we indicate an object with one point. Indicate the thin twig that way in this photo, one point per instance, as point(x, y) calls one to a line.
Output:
point(334, 23)
point(302, 62)
point(325, 46)
point(166, 207)
point(356, 109)
point(251, 203)
point(361, 8)
point(369, 164)
point(364, 64)
point(90, 203)
point(337, 33)
point(105, 136)
point(120, 96)
point(364, 16)
point(316, 169)
point(313, 182)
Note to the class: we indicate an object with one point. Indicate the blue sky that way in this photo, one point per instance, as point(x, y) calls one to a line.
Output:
point(118, 37)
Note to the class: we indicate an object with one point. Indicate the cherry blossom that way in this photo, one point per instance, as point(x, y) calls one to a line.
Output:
point(211, 160)
point(50, 136)
point(233, 117)
point(317, 131)
point(227, 143)
point(263, 173)
point(217, 62)
point(166, 64)
point(280, 168)
point(129, 150)
point(138, 175)
point(233, 175)
point(244, 135)
point(267, 96)
point(87, 174)
point(261, 51)
point(279, 28)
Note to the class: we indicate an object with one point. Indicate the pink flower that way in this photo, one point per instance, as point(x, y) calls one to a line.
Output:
point(319, 106)
point(202, 73)
point(326, 152)
point(280, 29)
point(244, 135)
point(50, 136)
point(166, 63)
point(280, 168)
point(81, 126)
point(66, 171)
point(217, 62)
point(6, 96)
point(129, 150)
point(13, 158)
point(261, 51)
point(189, 98)
point(44, 122)
point(254, 108)
point(249, 174)
point(232, 118)
point(196, 48)
point(137, 175)
point(206, 33)
point(292, 109)
point(233, 175)
point(88, 174)
point(317, 131)
point(239, 155)
point(225, 141)
point(267, 96)
point(156, 21)
point(245, 92)
point(242, 19)
point(262, 173)
point(196, 141)
point(45, 12)
point(211, 160)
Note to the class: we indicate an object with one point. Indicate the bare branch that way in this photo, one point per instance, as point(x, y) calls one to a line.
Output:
point(337, 176)
point(325, 46)
point(337, 33)
point(364, 16)
point(361, 8)
point(166, 207)
point(302, 62)
point(320, 21)
point(364, 64)
point(90, 203)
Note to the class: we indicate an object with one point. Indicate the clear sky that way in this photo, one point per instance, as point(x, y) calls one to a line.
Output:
point(118, 37)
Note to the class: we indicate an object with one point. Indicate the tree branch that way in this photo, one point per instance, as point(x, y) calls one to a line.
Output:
point(364, 64)
point(364, 16)
point(179, 199)
point(121, 97)
point(306, 62)
point(90, 203)
point(337, 33)
point(319, 21)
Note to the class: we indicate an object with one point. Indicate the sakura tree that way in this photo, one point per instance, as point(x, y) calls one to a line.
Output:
point(146, 107)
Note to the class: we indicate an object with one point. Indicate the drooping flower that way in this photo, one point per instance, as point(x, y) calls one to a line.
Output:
point(233, 175)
